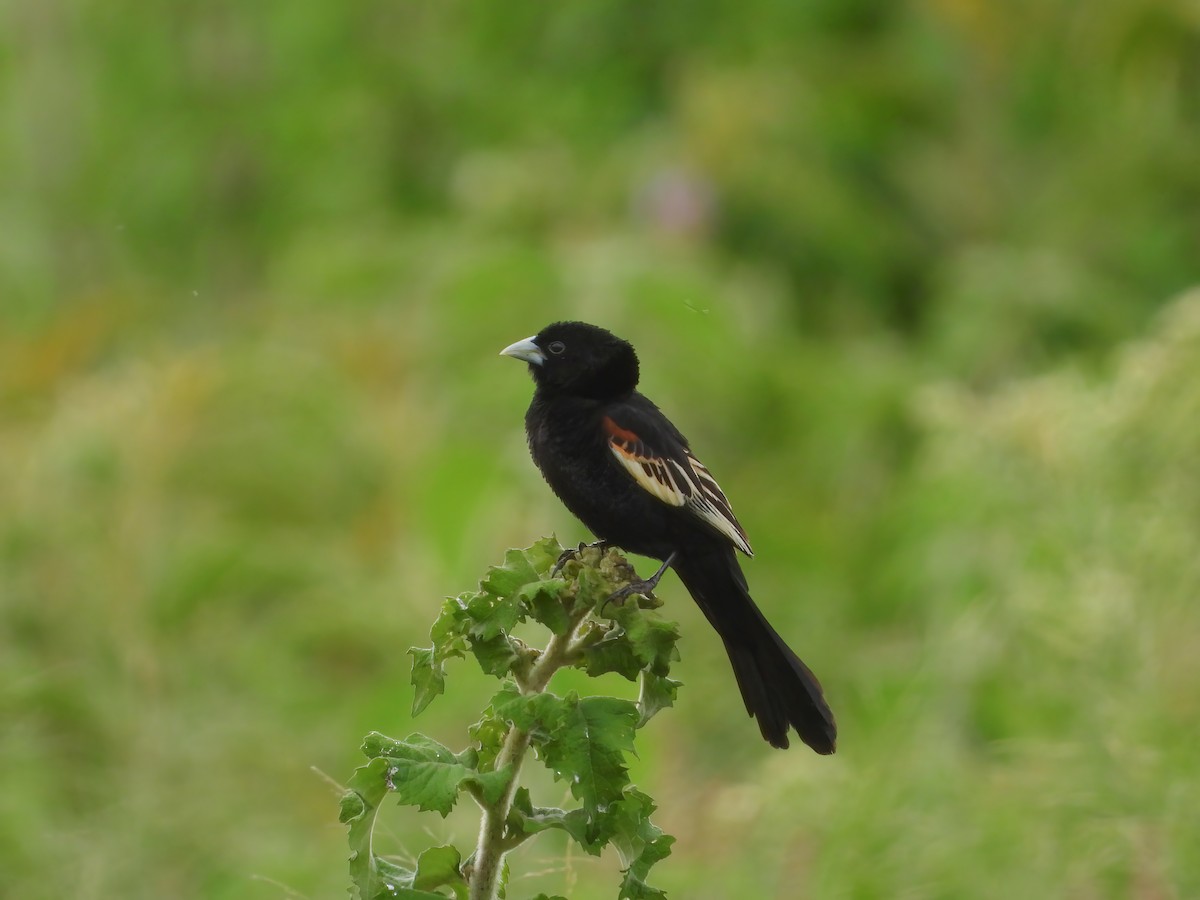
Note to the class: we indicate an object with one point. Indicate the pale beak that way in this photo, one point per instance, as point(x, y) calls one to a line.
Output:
point(525, 350)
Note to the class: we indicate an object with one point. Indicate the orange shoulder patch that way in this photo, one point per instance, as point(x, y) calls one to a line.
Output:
point(616, 431)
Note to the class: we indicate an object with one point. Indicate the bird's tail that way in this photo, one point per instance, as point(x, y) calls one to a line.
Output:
point(777, 688)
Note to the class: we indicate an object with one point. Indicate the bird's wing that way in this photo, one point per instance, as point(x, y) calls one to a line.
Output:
point(656, 455)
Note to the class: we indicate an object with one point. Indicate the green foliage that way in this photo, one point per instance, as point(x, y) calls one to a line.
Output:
point(584, 741)
point(893, 163)
point(256, 261)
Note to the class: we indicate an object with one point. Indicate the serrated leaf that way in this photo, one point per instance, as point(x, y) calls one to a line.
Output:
point(428, 678)
point(656, 694)
point(510, 705)
point(544, 554)
point(505, 580)
point(422, 772)
point(543, 600)
point(574, 822)
point(452, 622)
point(633, 885)
point(489, 733)
point(448, 636)
point(651, 638)
point(372, 877)
point(496, 656)
point(492, 616)
point(526, 819)
point(640, 844)
point(492, 784)
point(583, 741)
point(614, 653)
point(439, 867)
point(587, 747)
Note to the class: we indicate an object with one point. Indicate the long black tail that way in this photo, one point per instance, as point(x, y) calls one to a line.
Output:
point(778, 689)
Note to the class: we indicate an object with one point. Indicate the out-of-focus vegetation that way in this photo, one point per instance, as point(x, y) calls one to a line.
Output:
point(908, 274)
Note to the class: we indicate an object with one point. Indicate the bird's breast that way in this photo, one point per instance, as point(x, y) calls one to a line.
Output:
point(573, 454)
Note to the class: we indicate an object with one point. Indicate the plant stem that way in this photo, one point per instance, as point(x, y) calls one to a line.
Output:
point(489, 852)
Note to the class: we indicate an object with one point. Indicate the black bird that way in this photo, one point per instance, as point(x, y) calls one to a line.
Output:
point(622, 468)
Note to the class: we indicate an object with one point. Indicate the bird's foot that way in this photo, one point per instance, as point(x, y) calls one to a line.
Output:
point(619, 596)
point(571, 553)
point(644, 587)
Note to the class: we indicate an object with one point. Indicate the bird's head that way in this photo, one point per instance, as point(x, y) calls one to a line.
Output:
point(578, 359)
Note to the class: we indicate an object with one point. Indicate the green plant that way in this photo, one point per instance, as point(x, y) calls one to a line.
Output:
point(583, 740)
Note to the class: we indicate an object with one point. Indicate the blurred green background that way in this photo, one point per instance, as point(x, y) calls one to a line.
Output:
point(911, 275)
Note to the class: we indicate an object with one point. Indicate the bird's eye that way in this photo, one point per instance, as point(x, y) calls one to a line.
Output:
point(557, 347)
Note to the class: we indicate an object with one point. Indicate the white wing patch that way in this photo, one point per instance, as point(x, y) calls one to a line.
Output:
point(654, 475)
point(710, 504)
point(677, 484)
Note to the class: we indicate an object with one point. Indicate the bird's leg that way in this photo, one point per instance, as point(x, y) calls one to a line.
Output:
point(639, 587)
point(569, 554)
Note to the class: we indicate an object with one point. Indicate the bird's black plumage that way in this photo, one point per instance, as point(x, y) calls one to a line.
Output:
point(628, 474)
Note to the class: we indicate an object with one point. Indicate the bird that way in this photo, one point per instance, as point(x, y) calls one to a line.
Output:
point(629, 475)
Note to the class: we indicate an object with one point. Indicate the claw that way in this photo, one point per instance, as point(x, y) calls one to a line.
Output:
point(645, 588)
point(620, 595)
point(571, 553)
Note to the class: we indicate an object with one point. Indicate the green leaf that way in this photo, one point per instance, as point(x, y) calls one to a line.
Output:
point(504, 581)
point(351, 807)
point(588, 740)
point(448, 635)
point(544, 554)
point(372, 877)
point(496, 656)
point(614, 653)
point(657, 693)
point(574, 822)
point(527, 819)
point(427, 779)
point(502, 881)
point(492, 784)
point(489, 733)
point(625, 823)
point(583, 741)
point(425, 774)
point(376, 745)
point(591, 589)
point(651, 638)
point(493, 616)
point(539, 713)
point(543, 600)
point(451, 624)
point(640, 844)
point(438, 867)
point(633, 885)
point(510, 705)
point(428, 677)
